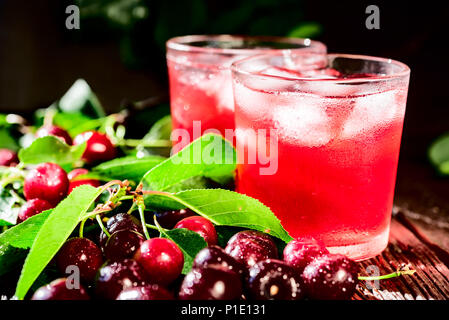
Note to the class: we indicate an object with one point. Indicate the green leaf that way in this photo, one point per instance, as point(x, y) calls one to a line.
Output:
point(76, 122)
point(51, 149)
point(81, 98)
point(130, 168)
point(156, 202)
point(207, 156)
point(23, 234)
point(15, 241)
point(439, 154)
point(54, 232)
point(228, 208)
point(188, 241)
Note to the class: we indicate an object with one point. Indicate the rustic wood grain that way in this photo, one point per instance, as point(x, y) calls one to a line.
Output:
point(407, 247)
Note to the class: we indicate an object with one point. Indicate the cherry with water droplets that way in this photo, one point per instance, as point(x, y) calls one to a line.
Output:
point(249, 247)
point(33, 207)
point(273, 279)
point(121, 221)
point(301, 251)
point(123, 244)
point(98, 148)
point(200, 225)
point(148, 292)
point(47, 181)
point(213, 282)
point(118, 276)
point(168, 219)
point(60, 290)
point(331, 277)
point(51, 130)
point(82, 253)
point(161, 258)
point(8, 158)
point(214, 255)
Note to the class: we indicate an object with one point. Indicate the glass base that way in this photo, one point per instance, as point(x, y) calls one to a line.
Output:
point(365, 250)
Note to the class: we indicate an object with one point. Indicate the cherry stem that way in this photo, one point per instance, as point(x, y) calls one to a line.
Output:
point(82, 228)
point(151, 226)
point(158, 226)
point(126, 198)
point(132, 208)
point(398, 273)
point(100, 223)
point(141, 208)
point(154, 227)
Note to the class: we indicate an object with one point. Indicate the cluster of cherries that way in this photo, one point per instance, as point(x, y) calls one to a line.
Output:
point(122, 265)
point(125, 266)
point(47, 184)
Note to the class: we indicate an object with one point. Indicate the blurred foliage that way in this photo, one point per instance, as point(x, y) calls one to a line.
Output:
point(143, 26)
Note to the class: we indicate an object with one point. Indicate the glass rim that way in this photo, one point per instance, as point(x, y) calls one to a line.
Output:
point(405, 70)
point(183, 44)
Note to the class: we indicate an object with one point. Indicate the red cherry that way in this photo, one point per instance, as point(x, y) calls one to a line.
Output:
point(300, 252)
point(121, 221)
point(76, 183)
point(99, 147)
point(249, 247)
point(84, 254)
point(46, 181)
point(77, 172)
point(200, 225)
point(118, 276)
point(273, 279)
point(213, 282)
point(8, 158)
point(161, 258)
point(214, 255)
point(54, 131)
point(59, 290)
point(168, 219)
point(122, 244)
point(33, 207)
point(331, 277)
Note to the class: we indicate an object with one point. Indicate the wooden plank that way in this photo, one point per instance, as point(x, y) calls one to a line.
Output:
point(431, 280)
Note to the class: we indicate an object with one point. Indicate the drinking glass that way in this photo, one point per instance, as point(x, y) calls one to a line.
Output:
point(327, 165)
point(200, 78)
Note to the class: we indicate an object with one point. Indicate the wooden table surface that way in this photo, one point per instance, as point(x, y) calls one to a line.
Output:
point(410, 246)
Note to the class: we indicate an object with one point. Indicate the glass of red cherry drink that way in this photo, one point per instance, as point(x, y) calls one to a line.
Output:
point(332, 140)
point(200, 78)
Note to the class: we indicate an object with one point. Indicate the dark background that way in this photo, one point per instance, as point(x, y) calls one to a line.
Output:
point(122, 56)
